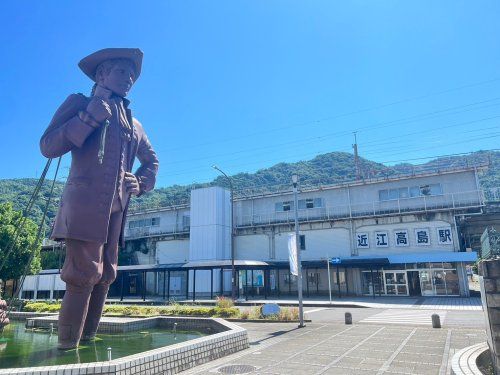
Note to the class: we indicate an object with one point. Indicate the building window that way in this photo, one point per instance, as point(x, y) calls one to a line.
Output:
point(410, 192)
point(27, 294)
point(383, 195)
point(302, 240)
point(43, 294)
point(313, 278)
point(310, 203)
point(284, 206)
point(150, 222)
point(186, 221)
point(426, 190)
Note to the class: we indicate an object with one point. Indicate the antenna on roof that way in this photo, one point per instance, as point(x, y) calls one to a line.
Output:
point(356, 157)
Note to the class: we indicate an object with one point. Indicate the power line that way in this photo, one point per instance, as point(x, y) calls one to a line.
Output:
point(190, 170)
point(346, 114)
point(268, 188)
point(316, 139)
point(372, 127)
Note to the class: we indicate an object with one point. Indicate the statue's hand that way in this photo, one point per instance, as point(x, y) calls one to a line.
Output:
point(131, 184)
point(99, 109)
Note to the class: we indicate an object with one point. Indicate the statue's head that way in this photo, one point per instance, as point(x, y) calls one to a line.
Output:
point(116, 69)
point(117, 75)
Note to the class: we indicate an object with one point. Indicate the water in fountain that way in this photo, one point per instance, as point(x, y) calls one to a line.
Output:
point(27, 347)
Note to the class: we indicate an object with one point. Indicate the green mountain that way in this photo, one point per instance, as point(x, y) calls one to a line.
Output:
point(324, 169)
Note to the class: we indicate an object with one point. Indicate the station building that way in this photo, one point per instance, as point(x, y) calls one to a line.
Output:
point(395, 236)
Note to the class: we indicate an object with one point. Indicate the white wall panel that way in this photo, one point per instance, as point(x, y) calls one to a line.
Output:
point(210, 231)
point(30, 282)
point(319, 244)
point(45, 282)
point(252, 247)
point(59, 285)
point(175, 251)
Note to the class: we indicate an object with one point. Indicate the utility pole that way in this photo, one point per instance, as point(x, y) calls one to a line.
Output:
point(356, 157)
point(295, 181)
point(233, 270)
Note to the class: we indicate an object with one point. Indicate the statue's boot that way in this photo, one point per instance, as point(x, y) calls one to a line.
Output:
point(72, 316)
point(96, 307)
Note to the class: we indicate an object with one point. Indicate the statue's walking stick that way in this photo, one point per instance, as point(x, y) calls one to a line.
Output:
point(102, 143)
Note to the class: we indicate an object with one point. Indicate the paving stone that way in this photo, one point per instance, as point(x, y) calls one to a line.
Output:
point(314, 359)
point(346, 371)
point(426, 369)
point(418, 358)
point(361, 350)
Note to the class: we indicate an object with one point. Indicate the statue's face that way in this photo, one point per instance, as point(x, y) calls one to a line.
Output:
point(120, 79)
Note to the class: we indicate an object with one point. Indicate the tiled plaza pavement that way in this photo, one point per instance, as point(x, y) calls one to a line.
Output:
point(318, 348)
point(387, 302)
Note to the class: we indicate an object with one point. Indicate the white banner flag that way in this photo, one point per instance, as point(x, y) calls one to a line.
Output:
point(292, 254)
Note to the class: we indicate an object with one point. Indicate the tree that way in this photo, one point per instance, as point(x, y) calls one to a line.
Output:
point(23, 247)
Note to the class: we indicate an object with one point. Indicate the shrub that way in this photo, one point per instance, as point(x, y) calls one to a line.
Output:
point(224, 303)
point(113, 309)
point(53, 308)
point(255, 312)
point(171, 310)
point(228, 312)
point(42, 307)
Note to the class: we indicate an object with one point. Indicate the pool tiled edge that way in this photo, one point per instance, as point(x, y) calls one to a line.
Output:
point(227, 338)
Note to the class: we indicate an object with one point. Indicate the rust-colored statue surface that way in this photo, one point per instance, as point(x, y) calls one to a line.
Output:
point(3, 315)
point(104, 140)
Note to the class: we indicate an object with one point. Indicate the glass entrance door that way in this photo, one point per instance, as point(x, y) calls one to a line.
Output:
point(426, 283)
point(396, 283)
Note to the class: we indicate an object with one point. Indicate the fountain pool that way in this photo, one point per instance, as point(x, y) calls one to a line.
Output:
point(21, 347)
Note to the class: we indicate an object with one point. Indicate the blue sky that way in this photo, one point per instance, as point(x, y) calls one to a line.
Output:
point(246, 84)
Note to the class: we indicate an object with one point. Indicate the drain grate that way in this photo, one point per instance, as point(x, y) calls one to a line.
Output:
point(236, 369)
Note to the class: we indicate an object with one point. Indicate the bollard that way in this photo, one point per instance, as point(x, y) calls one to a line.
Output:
point(436, 321)
point(175, 328)
point(109, 354)
point(348, 318)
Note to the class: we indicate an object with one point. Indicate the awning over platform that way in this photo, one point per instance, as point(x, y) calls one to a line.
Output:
point(433, 257)
point(225, 263)
point(441, 256)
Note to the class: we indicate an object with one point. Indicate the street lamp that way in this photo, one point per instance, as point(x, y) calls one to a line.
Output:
point(233, 271)
point(295, 182)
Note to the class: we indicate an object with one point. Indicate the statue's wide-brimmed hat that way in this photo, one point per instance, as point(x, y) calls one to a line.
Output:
point(90, 63)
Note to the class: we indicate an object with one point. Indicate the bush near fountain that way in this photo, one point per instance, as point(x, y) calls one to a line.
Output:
point(224, 308)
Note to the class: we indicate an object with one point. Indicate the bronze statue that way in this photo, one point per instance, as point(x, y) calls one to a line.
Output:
point(4, 320)
point(104, 139)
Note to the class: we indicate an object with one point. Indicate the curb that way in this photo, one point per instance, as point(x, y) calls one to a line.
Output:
point(464, 361)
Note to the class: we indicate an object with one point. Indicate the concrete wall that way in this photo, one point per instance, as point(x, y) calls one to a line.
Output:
point(173, 251)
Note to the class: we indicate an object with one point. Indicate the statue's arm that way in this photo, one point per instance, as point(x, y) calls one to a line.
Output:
point(66, 130)
point(146, 173)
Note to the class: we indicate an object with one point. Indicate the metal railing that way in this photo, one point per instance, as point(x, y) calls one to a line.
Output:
point(377, 208)
point(468, 199)
point(155, 231)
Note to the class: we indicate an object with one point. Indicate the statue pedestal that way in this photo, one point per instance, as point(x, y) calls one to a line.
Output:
point(3, 314)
